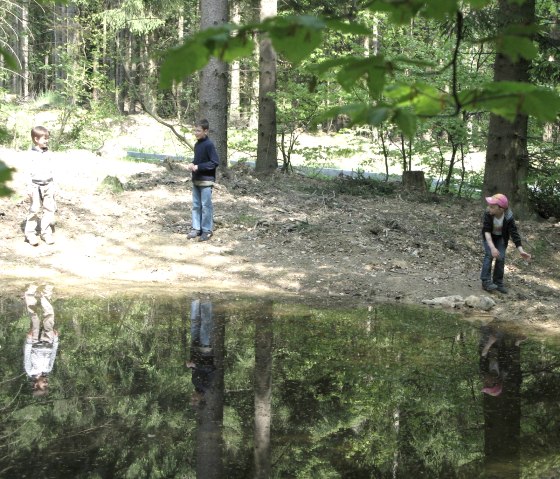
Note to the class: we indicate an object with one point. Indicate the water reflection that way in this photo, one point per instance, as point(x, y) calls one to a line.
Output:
point(41, 342)
point(500, 367)
point(277, 390)
point(206, 364)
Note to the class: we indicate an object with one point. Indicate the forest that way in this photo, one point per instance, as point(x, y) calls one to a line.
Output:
point(328, 363)
point(427, 83)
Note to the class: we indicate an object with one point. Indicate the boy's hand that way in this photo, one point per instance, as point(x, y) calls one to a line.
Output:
point(525, 255)
point(495, 252)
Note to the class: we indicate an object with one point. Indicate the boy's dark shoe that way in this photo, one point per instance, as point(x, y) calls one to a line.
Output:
point(489, 287)
point(501, 288)
point(193, 234)
point(205, 236)
point(32, 240)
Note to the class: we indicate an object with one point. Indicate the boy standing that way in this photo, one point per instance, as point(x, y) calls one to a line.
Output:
point(203, 170)
point(41, 190)
point(497, 227)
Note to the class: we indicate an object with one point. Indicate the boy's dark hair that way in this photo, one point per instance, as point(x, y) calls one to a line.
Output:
point(203, 124)
point(38, 131)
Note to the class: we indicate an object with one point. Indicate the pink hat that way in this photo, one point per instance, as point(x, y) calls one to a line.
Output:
point(494, 390)
point(498, 199)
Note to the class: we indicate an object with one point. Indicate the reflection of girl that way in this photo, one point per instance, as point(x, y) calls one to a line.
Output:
point(492, 371)
point(497, 354)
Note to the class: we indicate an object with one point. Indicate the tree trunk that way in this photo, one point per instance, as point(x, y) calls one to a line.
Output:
point(253, 107)
point(235, 80)
point(507, 159)
point(266, 146)
point(24, 45)
point(213, 95)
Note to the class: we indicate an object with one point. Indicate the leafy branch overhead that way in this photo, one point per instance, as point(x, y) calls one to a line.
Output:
point(389, 99)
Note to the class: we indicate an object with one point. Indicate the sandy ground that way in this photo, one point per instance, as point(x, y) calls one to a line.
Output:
point(287, 236)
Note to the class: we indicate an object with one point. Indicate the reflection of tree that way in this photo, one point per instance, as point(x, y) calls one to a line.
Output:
point(263, 389)
point(207, 352)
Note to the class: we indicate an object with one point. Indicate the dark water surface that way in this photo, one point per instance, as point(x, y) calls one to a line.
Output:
point(204, 388)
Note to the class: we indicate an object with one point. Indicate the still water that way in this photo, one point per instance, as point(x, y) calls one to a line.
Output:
point(200, 387)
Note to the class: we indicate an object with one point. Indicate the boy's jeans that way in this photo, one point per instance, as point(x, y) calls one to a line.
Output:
point(486, 274)
point(202, 209)
point(201, 323)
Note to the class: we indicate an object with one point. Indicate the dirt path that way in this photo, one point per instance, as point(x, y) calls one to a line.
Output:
point(284, 237)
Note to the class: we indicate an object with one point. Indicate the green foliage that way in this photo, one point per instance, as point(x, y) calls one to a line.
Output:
point(544, 187)
point(5, 177)
point(399, 102)
point(509, 99)
point(8, 58)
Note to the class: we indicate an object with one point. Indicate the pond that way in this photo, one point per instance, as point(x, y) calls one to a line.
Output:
point(215, 387)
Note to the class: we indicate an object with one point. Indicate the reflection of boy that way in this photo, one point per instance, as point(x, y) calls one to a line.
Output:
point(41, 190)
point(41, 343)
point(201, 360)
point(46, 334)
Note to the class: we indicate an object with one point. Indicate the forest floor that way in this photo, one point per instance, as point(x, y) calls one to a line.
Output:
point(283, 237)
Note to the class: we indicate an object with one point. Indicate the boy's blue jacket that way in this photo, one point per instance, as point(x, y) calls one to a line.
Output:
point(206, 158)
point(509, 228)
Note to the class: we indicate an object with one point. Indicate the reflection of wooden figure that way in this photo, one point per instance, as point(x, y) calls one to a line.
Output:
point(41, 343)
point(500, 369)
point(206, 364)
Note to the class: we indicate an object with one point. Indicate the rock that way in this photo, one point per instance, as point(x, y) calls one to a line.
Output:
point(446, 301)
point(480, 302)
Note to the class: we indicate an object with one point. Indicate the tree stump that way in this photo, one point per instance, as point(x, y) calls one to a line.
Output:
point(414, 181)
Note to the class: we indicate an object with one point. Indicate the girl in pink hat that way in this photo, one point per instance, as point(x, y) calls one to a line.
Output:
point(498, 225)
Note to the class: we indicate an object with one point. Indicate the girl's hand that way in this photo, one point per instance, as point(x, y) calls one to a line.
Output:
point(525, 255)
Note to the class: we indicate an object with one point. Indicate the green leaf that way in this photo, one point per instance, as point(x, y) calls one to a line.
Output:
point(295, 37)
point(508, 99)
point(440, 9)
point(423, 98)
point(344, 27)
point(516, 47)
point(372, 68)
point(5, 176)
point(183, 61)
point(400, 13)
point(11, 62)
point(360, 113)
point(328, 65)
point(195, 53)
point(405, 121)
